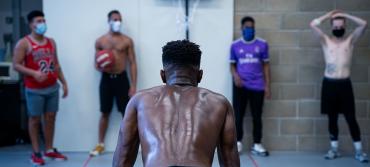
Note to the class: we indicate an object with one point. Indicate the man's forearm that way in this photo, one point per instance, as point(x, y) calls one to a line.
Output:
point(316, 22)
point(233, 70)
point(126, 152)
point(355, 19)
point(24, 70)
point(133, 74)
point(61, 77)
point(267, 76)
point(60, 74)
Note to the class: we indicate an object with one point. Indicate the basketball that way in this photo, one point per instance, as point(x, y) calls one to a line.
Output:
point(104, 59)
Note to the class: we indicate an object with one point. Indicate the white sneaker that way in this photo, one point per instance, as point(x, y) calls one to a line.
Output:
point(98, 150)
point(332, 154)
point(240, 146)
point(362, 157)
point(259, 150)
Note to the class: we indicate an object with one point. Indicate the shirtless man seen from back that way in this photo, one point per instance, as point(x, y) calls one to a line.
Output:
point(178, 124)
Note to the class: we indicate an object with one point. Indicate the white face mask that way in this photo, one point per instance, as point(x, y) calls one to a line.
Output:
point(115, 26)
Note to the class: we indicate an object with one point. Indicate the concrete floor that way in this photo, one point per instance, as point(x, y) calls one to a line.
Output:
point(18, 156)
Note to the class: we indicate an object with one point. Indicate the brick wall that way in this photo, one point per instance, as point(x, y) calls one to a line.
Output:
point(292, 119)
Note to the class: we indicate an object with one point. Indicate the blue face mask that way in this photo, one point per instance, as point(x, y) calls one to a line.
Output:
point(40, 28)
point(248, 33)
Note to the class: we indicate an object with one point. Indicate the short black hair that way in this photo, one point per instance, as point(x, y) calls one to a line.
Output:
point(337, 18)
point(181, 53)
point(113, 12)
point(33, 14)
point(247, 19)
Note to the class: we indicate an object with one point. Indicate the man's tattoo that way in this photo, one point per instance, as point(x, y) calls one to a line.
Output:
point(331, 68)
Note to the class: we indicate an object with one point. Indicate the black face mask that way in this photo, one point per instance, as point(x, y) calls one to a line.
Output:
point(339, 32)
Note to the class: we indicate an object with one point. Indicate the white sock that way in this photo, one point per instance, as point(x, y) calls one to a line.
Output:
point(334, 145)
point(257, 145)
point(101, 144)
point(358, 146)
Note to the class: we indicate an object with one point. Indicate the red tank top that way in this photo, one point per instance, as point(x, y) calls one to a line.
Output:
point(41, 58)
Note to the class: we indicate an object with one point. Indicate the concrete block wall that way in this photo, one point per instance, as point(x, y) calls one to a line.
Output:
point(292, 119)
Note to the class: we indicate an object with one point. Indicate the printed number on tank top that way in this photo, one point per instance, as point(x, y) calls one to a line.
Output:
point(46, 67)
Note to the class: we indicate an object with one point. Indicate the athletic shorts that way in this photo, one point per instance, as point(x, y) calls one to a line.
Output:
point(114, 87)
point(337, 96)
point(39, 101)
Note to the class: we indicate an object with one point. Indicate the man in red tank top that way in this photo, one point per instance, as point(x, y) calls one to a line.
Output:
point(35, 56)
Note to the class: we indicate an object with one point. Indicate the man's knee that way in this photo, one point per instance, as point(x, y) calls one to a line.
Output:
point(105, 115)
point(50, 116)
point(35, 120)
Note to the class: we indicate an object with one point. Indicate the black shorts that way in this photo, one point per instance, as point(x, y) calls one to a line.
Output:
point(337, 96)
point(114, 86)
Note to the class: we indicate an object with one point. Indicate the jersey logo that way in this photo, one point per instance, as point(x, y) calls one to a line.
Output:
point(257, 49)
point(248, 55)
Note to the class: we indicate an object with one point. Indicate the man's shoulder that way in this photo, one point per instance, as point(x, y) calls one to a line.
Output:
point(126, 39)
point(237, 41)
point(101, 38)
point(23, 43)
point(213, 95)
point(261, 40)
point(154, 91)
point(51, 40)
point(23, 40)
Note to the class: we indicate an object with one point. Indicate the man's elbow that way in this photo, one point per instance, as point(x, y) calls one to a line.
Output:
point(313, 24)
point(16, 66)
point(133, 64)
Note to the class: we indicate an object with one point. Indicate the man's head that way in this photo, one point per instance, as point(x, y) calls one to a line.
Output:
point(114, 20)
point(36, 21)
point(248, 30)
point(338, 25)
point(181, 60)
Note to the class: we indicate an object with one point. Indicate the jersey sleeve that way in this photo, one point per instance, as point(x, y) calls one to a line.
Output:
point(233, 58)
point(265, 57)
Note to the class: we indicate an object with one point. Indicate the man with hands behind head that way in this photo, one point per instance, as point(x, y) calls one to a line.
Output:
point(337, 94)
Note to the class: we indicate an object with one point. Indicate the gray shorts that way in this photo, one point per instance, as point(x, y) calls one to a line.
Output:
point(43, 100)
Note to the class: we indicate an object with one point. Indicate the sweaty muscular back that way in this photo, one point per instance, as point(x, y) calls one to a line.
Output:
point(182, 126)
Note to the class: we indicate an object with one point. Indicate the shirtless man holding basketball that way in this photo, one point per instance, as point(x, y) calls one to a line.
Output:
point(115, 83)
point(178, 124)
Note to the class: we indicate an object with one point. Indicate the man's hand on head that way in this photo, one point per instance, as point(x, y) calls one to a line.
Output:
point(338, 14)
point(335, 11)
